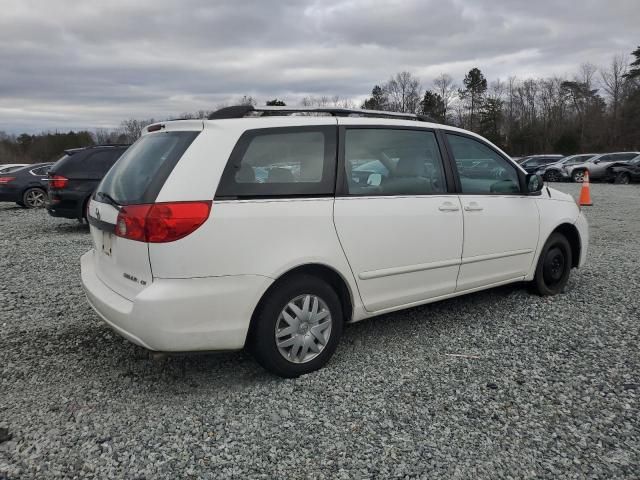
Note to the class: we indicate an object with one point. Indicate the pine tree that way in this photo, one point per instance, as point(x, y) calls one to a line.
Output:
point(475, 86)
point(634, 71)
point(432, 105)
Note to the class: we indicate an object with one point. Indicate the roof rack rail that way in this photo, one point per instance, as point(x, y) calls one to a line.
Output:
point(240, 111)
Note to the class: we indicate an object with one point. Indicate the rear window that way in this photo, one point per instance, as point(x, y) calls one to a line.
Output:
point(290, 161)
point(141, 171)
point(100, 162)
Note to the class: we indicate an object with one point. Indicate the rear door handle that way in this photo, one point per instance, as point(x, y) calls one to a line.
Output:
point(448, 207)
point(473, 207)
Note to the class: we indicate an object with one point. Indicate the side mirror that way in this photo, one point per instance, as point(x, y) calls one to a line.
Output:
point(374, 180)
point(596, 161)
point(534, 183)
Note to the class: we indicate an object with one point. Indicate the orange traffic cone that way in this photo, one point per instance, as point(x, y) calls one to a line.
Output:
point(585, 193)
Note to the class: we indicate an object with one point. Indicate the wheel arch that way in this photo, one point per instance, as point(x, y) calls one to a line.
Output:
point(573, 236)
point(329, 274)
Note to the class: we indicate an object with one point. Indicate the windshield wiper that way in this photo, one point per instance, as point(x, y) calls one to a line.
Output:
point(110, 200)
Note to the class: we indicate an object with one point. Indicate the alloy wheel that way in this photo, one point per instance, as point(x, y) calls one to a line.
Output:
point(578, 177)
point(623, 178)
point(35, 198)
point(303, 328)
point(552, 176)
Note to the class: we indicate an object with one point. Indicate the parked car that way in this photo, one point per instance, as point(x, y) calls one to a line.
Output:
point(74, 177)
point(26, 186)
point(534, 162)
point(11, 167)
point(624, 173)
point(597, 166)
point(555, 172)
point(193, 252)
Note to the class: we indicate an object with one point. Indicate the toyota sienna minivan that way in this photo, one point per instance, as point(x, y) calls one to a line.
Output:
point(271, 228)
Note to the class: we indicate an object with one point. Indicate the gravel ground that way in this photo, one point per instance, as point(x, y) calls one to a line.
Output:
point(553, 392)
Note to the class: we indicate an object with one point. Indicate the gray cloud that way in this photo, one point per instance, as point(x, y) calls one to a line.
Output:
point(68, 64)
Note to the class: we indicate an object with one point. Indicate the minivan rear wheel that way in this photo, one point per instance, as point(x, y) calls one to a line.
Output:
point(298, 326)
point(554, 266)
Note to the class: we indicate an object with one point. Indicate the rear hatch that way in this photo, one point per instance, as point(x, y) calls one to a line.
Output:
point(123, 199)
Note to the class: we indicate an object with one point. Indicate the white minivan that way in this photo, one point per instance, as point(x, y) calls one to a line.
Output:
point(272, 228)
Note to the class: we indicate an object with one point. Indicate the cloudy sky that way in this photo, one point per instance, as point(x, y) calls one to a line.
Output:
point(90, 64)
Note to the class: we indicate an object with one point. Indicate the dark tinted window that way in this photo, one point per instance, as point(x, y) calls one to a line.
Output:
point(548, 160)
point(392, 162)
point(532, 162)
point(280, 162)
point(101, 161)
point(482, 170)
point(140, 173)
point(622, 157)
point(41, 170)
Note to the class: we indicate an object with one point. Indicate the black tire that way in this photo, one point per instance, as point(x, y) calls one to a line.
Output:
point(85, 211)
point(34, 198)
point(577, 176)
point(262, 338)
point(623, 178)
point(552, 176)
point(554, 266)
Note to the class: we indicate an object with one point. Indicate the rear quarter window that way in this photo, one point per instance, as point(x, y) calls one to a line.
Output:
point(139, 174)
point(276, 162)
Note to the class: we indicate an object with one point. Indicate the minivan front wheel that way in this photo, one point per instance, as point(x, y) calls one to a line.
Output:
point(297, 327)
point(554, 266)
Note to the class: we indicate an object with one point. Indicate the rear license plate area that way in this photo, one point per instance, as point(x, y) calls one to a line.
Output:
point(106, 243)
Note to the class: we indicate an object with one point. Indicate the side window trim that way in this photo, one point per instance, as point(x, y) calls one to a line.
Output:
point(227, 184)
point(454, 165)
point(342, 189)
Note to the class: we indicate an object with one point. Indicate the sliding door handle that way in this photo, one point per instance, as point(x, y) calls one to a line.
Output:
point(473, 207)
point(448, 207)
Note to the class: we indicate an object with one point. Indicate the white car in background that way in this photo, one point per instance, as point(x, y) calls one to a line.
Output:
point(556, 172)
point(597, 166)
point(273, 231)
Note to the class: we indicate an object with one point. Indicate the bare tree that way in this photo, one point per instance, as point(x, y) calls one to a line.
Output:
point(447, 90)
point(404, 92)
point(613, 83)
point(132, 128)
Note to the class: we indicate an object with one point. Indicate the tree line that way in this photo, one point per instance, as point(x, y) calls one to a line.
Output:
point(596, 110)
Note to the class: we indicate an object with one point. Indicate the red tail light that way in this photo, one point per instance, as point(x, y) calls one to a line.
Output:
point(57, 181)
point(5, 180)
point(161, 222)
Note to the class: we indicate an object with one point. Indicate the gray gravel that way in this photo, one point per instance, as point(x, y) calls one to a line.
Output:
point(553, 393)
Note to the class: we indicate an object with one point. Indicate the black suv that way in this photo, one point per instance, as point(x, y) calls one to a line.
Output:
point(74, 177)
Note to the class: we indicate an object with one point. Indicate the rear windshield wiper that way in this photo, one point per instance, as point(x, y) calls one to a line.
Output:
point(109, 199)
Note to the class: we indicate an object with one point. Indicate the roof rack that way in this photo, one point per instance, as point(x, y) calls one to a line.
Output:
point(240, 111)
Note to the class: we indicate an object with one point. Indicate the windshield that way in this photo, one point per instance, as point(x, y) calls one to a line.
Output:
point(141, 171)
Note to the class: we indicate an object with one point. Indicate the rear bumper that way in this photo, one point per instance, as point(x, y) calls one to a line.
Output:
point(9, 195)
point(63, 212)
point(179, 315)
point(66, 205)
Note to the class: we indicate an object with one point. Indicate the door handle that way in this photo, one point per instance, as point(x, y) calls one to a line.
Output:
point(448, 207)
point(473, 207)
